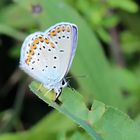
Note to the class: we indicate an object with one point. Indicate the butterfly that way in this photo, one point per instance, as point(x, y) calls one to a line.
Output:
point(47, 56)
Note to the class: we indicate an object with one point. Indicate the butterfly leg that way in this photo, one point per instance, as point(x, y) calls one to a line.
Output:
point(47, 92)
point(58, 92)
point(64, 83)
point(57, 95)
point(40, 86)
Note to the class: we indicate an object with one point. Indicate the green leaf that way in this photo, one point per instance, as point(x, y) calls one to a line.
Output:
point(110, 21)
point(79, 136)
point(100, 122)
point(78, 113)
point(103, 34)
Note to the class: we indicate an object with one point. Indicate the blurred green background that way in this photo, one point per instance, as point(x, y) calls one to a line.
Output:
point(106, 66)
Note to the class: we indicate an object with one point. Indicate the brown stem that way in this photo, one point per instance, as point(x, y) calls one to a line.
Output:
point(115, 47)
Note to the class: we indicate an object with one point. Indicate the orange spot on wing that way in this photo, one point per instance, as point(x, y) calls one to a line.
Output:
point(58, 29)
point(27, 61)
point(68, 29)
point(52, 45)
point(32, 53)
point(53, 33)
point(33, 47)
point(41, 39)
point(63, 28)
point(36, 41)
point(47, 41)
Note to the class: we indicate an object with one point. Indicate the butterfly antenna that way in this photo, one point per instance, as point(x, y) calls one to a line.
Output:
point(70, 85)
point(77, 76)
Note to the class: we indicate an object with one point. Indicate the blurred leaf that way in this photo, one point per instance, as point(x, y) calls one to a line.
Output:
point(15, 52)
point(128, 5)
point(51, 126)
point(97, 13)
point(103, 34)
point(131, 22)
point(7, 30)
point(48, 128)
point(137, 120)
point(130, 42)
point(83, 6)
point(16, 16)
point(130, 86)
point(127, 80)
point(110, 21)
point(3, 3)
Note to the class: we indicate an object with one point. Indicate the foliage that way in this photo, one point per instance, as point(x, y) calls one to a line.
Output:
point(101, 99)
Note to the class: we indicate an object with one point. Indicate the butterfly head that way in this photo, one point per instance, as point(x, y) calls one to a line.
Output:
point(58, 87)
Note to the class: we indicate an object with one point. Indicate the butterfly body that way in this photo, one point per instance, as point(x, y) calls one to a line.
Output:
point(47, 56)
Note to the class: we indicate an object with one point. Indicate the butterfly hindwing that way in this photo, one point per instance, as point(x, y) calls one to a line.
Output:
point(38, 58)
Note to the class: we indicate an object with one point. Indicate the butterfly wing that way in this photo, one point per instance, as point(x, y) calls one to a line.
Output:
point(38, 58)
point(47, 56)
point(64, 35)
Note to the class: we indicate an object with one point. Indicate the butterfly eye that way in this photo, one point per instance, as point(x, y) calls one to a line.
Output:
point(63, 82)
